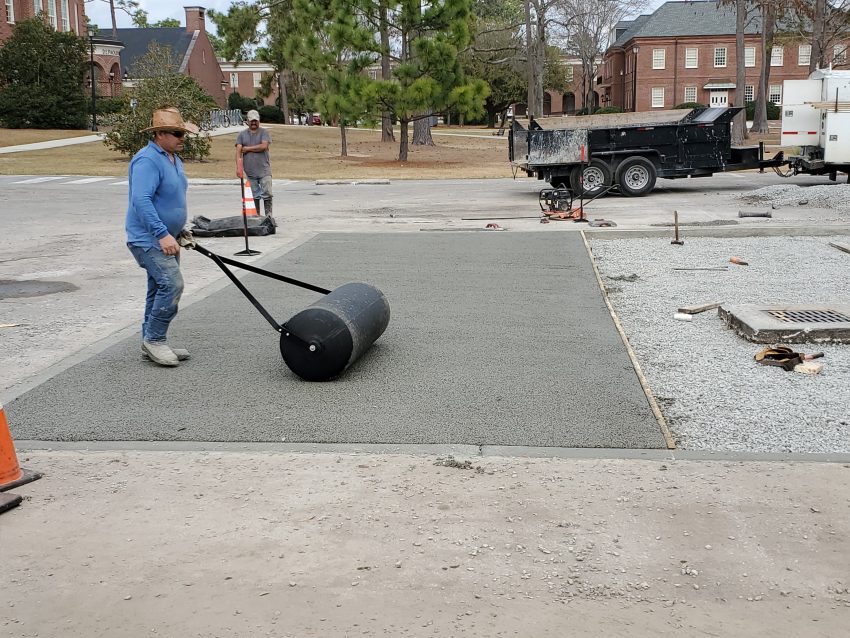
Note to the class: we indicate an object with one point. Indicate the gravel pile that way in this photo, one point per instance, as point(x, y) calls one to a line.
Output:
point(711, 391)
point(836, 196)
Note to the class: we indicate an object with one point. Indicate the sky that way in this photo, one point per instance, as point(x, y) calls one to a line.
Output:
point(98, 11)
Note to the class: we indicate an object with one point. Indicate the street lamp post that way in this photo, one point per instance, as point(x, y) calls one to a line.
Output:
point(635, 50)
point(91, 33)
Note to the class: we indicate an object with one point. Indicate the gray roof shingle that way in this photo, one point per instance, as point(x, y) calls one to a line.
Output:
point(136, 42)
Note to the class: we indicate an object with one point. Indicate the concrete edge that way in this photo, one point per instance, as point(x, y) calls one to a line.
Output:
point(23, 446)
point(352, 182)
point(19, 389)
point(669, 440)
point(721, 231)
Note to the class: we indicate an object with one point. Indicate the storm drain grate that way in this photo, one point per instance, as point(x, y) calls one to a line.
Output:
point(808, 316)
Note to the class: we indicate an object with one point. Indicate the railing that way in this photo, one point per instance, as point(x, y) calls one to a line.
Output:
point(224, 117)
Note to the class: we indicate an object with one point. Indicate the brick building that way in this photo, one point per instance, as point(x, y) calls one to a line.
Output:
point(63, 15)
point(685, 52)
point(245, 78)
point(191, 47)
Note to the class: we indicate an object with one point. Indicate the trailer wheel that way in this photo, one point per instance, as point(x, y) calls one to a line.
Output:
point(597, 177)
point(636, 176)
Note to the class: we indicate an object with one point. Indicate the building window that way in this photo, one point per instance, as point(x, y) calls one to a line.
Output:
point(839, 54)
point(775, 94)
point(36, 6)
point(691, 58)
point(749, 93)
point(373, 74)
point(690, 94)
point(777, 56)
point(570, 73)
point(657, 97)
point(719, 57)
point(804, 55)
point(749, 56)
point(658, 58)
point(65, 24)
point(10, 12)
point(51, 12)
point(234, 80)
point(258, 78)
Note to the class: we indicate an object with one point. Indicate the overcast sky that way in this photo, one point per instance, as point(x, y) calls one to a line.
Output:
point(98, 11)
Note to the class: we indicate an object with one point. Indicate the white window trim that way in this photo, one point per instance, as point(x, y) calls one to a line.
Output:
point(234, 80)
point(258, 80)
point(777, 56)
point(10, 11)
point(657, 91)
point(695, 64)
point(746, 56)
point(36, 7)
point(66, 25)
point(659, 58)
point(51, 13)
point(803, 60)
point(770, 92)
point(839, 54)
point(752, 92)
point(725, 57)
point(690, 89)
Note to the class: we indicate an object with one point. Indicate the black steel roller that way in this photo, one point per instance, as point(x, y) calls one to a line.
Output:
point(324, 339)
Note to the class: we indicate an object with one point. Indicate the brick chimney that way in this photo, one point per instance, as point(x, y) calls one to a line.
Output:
point(195, 19)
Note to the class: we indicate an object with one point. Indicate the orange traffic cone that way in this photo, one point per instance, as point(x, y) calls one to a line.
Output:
point(11, 474)
point(248, 199)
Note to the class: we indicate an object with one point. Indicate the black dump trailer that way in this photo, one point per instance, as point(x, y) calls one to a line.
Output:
point(630, 151)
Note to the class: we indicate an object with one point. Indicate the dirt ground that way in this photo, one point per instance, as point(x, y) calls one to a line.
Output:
point(303, 153)
point(13, 137)
point(296, 544)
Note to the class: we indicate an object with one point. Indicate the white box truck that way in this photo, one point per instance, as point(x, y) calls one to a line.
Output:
point(816, 120)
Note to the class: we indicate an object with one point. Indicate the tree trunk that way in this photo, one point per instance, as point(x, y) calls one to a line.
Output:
point(114, 25)
point(402, 148)
point(818, 18)
point(739, 124)
point(386, 117)
point(343, 141)
point(422, 131)
point(492, 114)
point(531, 54)
point(284, 98)
point(768, 27)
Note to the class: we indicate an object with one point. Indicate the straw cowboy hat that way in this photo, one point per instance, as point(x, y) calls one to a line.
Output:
point(169, 119)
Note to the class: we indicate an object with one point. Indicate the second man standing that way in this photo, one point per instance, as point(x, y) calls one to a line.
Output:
point(252, 156)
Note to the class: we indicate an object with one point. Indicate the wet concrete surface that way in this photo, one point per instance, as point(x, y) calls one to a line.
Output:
point(495, 339)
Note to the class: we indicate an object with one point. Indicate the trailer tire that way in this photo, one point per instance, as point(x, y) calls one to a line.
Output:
point(597, 176)
point(636, 176)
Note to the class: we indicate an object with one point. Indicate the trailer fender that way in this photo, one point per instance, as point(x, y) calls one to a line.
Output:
point(636, 176)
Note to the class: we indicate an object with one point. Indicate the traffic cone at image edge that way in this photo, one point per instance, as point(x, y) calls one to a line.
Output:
point(11, 473)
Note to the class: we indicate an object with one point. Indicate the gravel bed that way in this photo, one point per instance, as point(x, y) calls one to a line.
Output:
point(713, 394)
point(835, 196)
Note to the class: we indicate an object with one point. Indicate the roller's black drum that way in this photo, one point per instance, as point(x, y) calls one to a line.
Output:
point(321, 341)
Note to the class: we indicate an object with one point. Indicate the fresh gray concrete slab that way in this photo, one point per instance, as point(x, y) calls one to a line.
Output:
point(499, 339)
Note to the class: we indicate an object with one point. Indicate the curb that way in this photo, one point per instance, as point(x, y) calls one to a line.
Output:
point(349, 182)
point(721, 231)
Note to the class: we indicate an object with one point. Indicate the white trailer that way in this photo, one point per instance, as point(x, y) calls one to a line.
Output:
point(816, 120)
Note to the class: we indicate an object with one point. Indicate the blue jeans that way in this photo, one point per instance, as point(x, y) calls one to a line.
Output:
point(165, 285)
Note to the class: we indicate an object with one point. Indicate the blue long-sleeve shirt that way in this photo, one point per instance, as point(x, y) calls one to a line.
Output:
point(157, 204)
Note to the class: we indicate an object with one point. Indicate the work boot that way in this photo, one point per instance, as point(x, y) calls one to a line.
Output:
point(182, 354)
point(160, 353)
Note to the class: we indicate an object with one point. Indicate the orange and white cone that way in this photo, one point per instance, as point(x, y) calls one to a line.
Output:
point(11, 474)
point(248, 198)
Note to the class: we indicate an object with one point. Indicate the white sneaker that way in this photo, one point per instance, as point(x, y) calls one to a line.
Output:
point(182, 354)
point(160, 353)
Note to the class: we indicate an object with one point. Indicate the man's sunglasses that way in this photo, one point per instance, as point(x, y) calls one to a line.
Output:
point(177, 134)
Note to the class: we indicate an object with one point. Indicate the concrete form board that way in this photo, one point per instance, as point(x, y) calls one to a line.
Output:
point(495, 339)
point(752, 322)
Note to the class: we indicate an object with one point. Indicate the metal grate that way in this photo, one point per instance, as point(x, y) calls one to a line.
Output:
point(809, 316)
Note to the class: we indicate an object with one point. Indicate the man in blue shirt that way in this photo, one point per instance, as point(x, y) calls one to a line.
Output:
point(155, 217)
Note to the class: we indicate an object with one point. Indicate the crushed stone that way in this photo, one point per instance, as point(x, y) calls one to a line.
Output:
point(834, 196)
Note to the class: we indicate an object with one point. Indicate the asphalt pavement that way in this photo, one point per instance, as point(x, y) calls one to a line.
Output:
point(495, 339)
